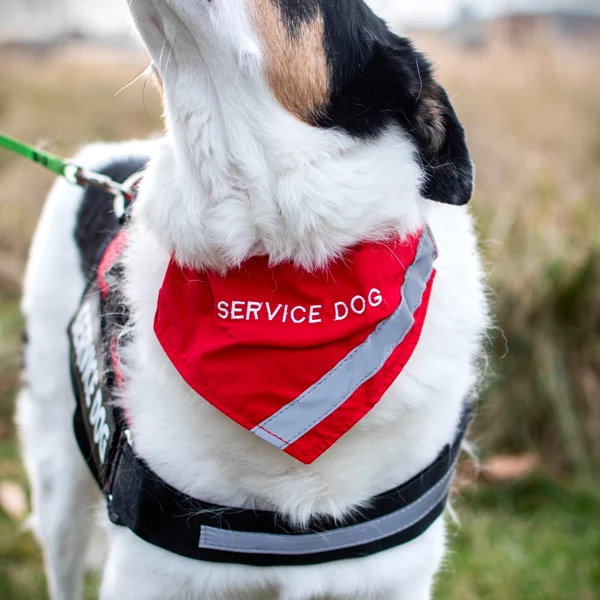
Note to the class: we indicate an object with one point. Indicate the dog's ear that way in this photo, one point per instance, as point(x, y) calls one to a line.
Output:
point(440, 139)
point(424, 110)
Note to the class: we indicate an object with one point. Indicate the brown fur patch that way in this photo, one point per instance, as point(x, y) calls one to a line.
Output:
point(431, 119)
point(296, 65)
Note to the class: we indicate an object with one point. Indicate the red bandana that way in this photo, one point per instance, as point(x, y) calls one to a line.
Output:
point(298, 358)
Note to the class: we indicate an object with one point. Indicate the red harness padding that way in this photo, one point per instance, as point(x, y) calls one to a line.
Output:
point(280, 350)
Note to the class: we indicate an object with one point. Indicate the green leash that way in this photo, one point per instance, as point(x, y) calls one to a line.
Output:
point(47, 160)
point(71, 172)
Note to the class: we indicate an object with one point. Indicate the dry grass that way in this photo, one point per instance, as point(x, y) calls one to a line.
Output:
point(533, 116)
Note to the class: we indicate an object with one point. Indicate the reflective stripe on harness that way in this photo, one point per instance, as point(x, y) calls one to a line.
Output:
point(338, 539)
point(308, 410)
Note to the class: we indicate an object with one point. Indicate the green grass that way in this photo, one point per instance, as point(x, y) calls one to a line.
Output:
point(535, 540)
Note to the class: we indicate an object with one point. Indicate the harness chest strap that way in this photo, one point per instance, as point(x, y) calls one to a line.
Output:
point(169, 519)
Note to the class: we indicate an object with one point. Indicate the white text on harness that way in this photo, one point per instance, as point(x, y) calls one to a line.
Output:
point(86, 359)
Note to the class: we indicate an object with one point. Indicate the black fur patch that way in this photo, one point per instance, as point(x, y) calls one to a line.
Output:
point(296, 12)
point(379, 80)
point(97, 222)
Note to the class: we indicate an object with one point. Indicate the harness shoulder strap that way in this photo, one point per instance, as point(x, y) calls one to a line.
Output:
point(99, 235)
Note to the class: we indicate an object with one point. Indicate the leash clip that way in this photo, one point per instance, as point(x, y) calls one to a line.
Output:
point(123, 194)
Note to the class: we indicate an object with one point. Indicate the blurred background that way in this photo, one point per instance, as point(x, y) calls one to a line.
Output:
point(525, 78)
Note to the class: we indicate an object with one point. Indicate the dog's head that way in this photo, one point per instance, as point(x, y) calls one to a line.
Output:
point(330, 64)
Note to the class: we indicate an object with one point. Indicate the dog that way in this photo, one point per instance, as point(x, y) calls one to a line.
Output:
point(296, 132)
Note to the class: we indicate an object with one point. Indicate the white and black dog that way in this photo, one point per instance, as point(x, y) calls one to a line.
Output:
point(305, 143)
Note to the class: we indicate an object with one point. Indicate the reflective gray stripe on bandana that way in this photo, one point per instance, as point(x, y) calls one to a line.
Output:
point(337, 539)
point(304, 413)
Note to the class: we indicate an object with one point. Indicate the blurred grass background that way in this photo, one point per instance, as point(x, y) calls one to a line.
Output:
point(530, 526)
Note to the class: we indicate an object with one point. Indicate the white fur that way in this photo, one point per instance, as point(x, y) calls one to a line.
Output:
point(235, 176)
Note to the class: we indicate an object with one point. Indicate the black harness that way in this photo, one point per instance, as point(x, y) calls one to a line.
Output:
point(165, 517)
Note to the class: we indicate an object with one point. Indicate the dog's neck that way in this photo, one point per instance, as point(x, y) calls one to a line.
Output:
point(238, 176)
